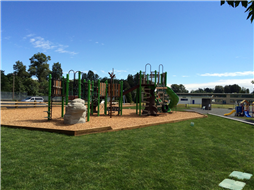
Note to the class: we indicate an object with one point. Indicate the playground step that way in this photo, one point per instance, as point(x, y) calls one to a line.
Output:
point(161, 88)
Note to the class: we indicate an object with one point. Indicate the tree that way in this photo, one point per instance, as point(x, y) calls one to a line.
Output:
point(20, 70)
point(179, 88)
point(175, 88)
point(235, 88)
point(130, 80)
point(245, 3)
point(183, 89)
point(32, 87)
point(90, 76)
point(252, 81)
point(57, 71)
point(218, 89)
point(6, 82)
point(208, 90)
point(200, 90)
point(227, 89)
point(39, 66)
point(126, 86)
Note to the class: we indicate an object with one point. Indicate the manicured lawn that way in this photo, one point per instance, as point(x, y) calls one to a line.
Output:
point(170, 156)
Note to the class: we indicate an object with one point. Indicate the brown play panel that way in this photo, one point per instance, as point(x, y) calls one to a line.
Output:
point(33, 118)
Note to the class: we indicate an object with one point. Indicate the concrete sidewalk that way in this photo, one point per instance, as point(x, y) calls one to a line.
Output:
point(220, 112)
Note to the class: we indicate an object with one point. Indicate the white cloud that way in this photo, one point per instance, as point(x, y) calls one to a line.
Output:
point(7, 37)
point(61, 49)
point(233, 74)
point(96, 42)
point(103, 71)
point(28, 36)
point(120, 71)
point(174, 75)
point(241, 82)
point(185, 76)
point(39, 42)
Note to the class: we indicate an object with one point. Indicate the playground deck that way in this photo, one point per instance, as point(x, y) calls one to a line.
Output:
point(33, 118)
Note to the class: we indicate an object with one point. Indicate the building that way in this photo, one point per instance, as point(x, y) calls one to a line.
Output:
point(217, 98)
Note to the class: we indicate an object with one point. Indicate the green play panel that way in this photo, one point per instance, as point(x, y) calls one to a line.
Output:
point(240, 175)
point(232, 184)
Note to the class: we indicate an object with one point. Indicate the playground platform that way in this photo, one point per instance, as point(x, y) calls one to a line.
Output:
point(34, 119)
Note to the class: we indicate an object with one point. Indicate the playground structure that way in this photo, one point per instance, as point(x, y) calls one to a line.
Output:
point(157, 96)
point(86, 90)
point(242, 109)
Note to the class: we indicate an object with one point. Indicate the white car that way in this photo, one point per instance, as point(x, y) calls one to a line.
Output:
point(33, 99)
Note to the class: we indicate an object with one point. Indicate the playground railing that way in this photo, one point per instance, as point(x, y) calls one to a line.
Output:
point(22, 104)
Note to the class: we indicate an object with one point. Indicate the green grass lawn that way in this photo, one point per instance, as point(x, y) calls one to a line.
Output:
point(170, 156)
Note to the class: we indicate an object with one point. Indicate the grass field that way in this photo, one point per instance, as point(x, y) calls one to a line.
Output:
point(169, 156)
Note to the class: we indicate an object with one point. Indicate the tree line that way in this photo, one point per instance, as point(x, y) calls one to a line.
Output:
point(39, 68)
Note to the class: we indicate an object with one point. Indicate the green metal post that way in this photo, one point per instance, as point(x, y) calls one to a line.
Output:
point(63, 96)
point(155, 78)
point(161, 78)
point(79, 85)
point(49, 97)
point(92, 93)
point(140, 80)
point(88, 101)
point(147, 78)
point(99, 97)
point(165, 78)
point(137, 99)
point(84, 89)
point(106, 99)
point(67, 89)
point(121, 98)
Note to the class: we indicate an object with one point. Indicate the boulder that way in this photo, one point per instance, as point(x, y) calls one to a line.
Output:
point(75, 112)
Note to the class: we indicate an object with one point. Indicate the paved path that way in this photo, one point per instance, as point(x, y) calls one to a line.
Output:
point(220, 112)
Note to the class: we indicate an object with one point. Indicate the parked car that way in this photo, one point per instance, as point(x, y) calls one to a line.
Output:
point(33, 99)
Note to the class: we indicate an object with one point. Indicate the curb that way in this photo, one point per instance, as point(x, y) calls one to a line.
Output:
point(232, 118)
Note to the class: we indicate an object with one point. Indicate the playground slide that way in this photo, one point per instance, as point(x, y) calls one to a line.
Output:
point(246, 113)
point(174, 99)
point(233, 111)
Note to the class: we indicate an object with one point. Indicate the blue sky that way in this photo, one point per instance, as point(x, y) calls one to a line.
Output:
point(200, 44)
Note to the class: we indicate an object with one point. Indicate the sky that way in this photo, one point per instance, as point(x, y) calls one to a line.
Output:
point(199, 43)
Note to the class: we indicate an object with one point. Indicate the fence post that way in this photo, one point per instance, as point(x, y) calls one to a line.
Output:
point(106, 99)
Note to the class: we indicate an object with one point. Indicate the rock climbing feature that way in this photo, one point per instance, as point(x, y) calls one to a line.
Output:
point(75, 112)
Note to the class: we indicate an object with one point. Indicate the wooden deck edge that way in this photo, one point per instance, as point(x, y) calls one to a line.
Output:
point(99, 129)
point(66, 132)
point(93, 130)
point(158, 123)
